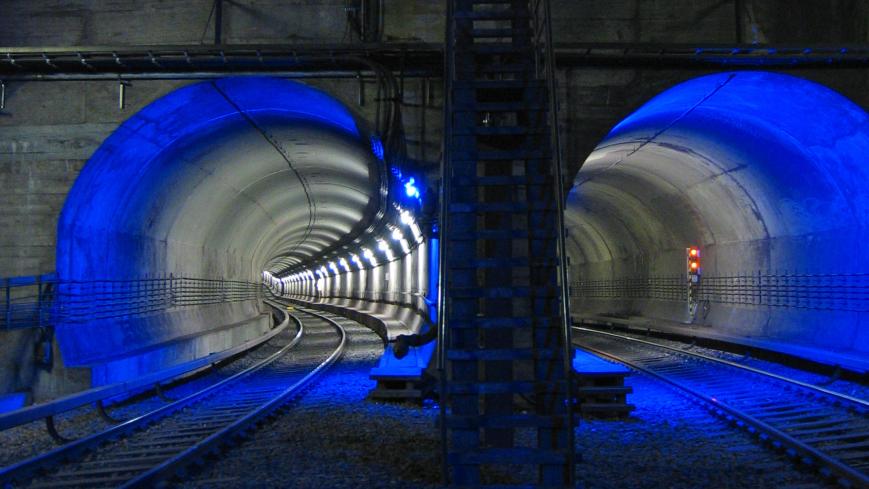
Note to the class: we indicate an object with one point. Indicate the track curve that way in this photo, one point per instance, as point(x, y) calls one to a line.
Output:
point(154, 447)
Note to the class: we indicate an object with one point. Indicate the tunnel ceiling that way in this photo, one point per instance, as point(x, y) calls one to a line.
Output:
point(764, 171)
point(221, 179)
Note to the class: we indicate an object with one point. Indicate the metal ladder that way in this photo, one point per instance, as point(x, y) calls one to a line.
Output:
point(504, 348)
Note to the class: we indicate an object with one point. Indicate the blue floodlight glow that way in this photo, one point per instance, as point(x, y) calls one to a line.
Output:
point(410, 188)
point(766, 172)
point(103, 230)
point(377, 148)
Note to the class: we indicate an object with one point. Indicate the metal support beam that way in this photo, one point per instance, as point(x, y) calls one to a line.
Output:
point(122, 94)
point(218, 22)
point(411, 59)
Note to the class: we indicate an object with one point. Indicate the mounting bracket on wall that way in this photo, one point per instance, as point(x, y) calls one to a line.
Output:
point(122, 93)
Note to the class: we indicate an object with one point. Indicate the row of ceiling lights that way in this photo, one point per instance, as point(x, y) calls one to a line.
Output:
point(384, 245)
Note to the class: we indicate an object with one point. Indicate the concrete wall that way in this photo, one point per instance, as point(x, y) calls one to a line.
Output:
point(766, 174)
point(49, 130)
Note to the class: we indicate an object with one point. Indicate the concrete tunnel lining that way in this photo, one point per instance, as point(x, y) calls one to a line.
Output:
point(216, 180)
point(765, 172)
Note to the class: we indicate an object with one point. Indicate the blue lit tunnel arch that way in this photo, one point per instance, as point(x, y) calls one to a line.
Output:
point(216, 180)
point(766, 172)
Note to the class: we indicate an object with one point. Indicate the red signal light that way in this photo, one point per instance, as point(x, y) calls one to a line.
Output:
point(693, 255)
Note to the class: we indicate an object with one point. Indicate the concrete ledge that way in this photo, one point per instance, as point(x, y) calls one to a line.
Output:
point(397, 378)
point(387, 320)
point(188, 347)
point(854, 362)
point(127, 388)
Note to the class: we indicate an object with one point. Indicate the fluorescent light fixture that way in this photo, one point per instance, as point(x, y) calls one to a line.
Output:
point(384, 247)
point(369, 255)
point(417, 234)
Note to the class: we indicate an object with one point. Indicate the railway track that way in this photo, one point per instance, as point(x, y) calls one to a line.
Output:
point(156, 446)
point(818, 427)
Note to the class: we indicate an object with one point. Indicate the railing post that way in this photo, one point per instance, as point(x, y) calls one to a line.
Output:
point(8, 312)
point(39, 301)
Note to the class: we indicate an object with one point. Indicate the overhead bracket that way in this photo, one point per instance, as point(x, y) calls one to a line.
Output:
point(122, 94)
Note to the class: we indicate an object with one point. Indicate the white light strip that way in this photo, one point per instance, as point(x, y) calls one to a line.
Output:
point(367, 253)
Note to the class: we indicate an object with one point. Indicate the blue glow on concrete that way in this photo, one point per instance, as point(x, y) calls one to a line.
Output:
point(431, 297)
point(588, 363)
point(106, 199)
point(377, 148)
point(411, 365)
point(773, 170)
point(417, 358)
point(807, 112)
point(797, 148)
point(13, 401)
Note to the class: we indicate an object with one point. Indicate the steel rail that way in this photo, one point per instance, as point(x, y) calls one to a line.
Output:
point(828, 465)
point(24, 469)
point(49, 409)
point(859, 403)
point(219, 438)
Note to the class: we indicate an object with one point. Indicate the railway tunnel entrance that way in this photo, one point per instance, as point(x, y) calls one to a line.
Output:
point(766, 175)
point(165, 237)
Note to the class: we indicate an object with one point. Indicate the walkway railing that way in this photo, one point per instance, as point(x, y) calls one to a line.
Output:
point(33, 302)
point(827, 291)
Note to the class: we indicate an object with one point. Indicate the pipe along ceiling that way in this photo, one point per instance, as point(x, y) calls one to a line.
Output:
point(768, 175)
point(231, 179)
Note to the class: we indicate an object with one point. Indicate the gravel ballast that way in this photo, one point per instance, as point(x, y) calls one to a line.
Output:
point(26, 441)
point(846, 387)
point(334, 437)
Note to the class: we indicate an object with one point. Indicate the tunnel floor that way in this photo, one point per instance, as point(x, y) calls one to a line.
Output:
point(334, 437)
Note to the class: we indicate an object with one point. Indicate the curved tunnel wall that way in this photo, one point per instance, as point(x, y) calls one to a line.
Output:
point(405, 281)
point(217, 180)
point(768, 175)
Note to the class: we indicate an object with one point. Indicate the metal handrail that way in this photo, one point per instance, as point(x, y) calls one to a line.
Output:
point(61, 405)
point(443, 305)
point(24, 468)
point(57, 301)
point(543, 23)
